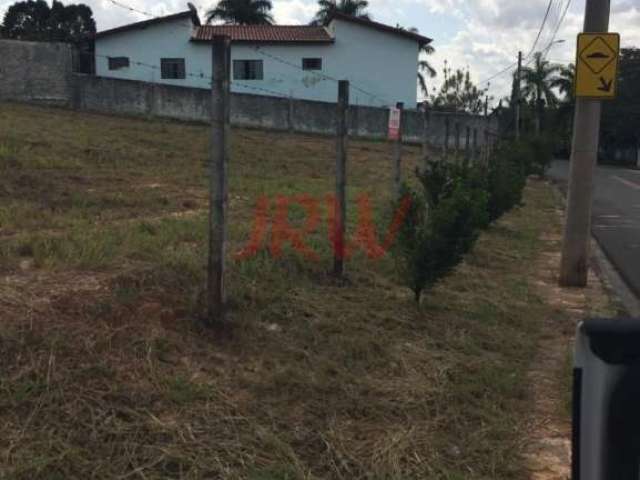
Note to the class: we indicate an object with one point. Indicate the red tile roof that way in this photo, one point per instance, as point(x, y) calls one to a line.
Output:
point(264, 33)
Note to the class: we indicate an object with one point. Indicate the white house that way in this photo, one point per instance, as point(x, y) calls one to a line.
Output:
point(298, 61)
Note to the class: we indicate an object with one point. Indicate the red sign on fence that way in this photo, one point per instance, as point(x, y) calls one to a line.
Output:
point(394, 123)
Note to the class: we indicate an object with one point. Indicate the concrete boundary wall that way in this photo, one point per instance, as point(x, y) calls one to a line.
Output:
point(35, 71)
point(108, 95)
point(42, 73)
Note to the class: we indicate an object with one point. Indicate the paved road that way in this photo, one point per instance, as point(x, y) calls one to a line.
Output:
point(616, 217)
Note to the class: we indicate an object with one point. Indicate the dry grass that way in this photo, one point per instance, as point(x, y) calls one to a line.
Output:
point(106, 374)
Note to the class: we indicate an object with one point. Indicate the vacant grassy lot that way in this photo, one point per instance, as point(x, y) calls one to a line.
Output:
point(106, 373)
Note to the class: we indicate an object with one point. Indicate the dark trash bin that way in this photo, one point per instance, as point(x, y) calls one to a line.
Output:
point(606, 401)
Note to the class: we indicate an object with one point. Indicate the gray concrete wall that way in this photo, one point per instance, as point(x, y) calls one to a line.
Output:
point(109, 95)
point(41, 72)
point(35, 72)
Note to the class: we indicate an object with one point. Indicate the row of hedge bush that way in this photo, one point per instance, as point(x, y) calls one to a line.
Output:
point(455, 201)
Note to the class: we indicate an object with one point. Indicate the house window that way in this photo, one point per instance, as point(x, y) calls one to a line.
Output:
point(312, 64)
point(172, 68)
point(248, 70)
point(116, 63)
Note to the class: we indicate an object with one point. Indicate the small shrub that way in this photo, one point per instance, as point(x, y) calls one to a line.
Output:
point(541, 151)
point(434, 239)
point(506, 178)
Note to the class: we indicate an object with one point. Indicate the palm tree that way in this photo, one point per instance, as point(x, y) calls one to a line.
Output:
point(354, 8)
point(538, 86)
point(564, 82)
point(242, 12)
point(425, 70)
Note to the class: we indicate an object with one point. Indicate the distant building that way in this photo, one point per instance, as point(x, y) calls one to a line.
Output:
point(298, 61)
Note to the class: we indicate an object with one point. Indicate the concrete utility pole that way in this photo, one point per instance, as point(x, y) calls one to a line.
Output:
point(397, 154)
point(517, 92)
point(218, 191)
point(586, 135)
point(340, 214)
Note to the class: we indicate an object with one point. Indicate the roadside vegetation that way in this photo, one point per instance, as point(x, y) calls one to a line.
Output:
point(107, 373)
point(457, 199)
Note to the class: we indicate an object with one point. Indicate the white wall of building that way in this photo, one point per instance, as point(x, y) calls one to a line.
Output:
point(147, 46)
point(377, 62)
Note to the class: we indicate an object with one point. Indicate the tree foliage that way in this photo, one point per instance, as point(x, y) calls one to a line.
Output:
point(539, 81)
point(539, 87)
point(458, 93)
point(34, 20)
point(442, 224)
point(621, 117)
point(425, 70)
point(354, 8)
point(242, 12)
point(564, 82)
point(455, 202)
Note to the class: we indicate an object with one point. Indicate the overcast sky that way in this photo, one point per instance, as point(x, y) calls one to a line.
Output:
point(484, 35)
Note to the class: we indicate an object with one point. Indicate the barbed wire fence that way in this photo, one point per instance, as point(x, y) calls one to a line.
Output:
point(221, 83)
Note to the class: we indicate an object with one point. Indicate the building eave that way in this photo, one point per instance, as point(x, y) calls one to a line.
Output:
point(188, 15)
point(420, 39)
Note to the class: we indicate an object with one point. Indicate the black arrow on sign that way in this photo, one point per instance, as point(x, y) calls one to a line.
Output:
point(604, 85)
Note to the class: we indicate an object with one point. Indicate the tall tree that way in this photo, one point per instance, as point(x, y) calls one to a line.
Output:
point(564, 81)
point(458, 93)
point(539, 86)
point(425, 70)
point(354, 8)
point(620, 132)
point(242, 12)
point(34, 20)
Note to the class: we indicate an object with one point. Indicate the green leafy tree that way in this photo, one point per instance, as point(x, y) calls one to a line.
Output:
point(620, 131)
point(458, 93)
point(563, 117)
point(539, 86)
point(442, 224)
point(242, 12)
point(354, 8)
point(34, 20)
point(564, 82)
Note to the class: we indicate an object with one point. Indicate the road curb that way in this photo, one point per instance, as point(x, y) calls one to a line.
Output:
point(611, 278)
